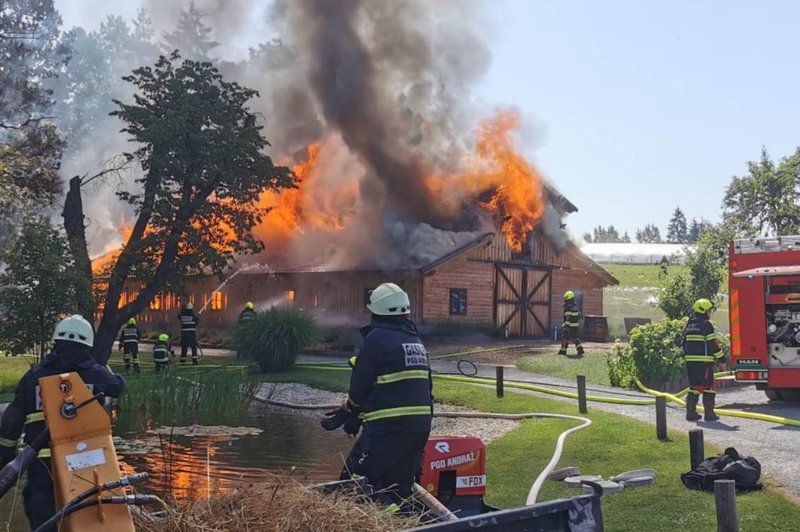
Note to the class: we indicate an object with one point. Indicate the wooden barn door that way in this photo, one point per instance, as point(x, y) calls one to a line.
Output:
point(522, 300)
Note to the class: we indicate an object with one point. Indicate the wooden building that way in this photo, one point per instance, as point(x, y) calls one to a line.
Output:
point(480, 283)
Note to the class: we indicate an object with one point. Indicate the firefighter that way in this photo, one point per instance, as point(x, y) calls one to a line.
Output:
point(569, 329)
point(248, 313)
point(162, 351)
point(129, 344)
point(390, 392)
point(701, 349)
point(72, 351)
point(189, 322)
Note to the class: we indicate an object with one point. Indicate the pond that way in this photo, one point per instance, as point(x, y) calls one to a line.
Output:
point(186, 459)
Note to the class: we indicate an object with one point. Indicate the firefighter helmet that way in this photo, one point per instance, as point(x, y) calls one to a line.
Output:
point(249, 305)
point(163, 337)
point(74, 329)
point(352, 362)
point(189, 306)
point(569, 295)
point(701, 306)
point(132, 321)
point(389, 300)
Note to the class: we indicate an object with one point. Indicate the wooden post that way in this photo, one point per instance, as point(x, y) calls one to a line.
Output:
point(696, 452)
point(661, 417)
point(725, 498)
point(582, 394)
point(499, 380)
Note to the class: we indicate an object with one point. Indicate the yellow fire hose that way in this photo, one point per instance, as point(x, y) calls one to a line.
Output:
point(676, 397)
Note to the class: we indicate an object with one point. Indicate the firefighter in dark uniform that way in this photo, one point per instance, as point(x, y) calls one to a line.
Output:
point(569, 329)
point(189, 322)
point(72, 351)
point(247, 314)
point(701, 349)
point(390, 392)
point(162, 350)
point(129, 344)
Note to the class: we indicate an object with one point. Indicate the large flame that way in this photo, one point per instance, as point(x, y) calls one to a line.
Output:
point(494, 177)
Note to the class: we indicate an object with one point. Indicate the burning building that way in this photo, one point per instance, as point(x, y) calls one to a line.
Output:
point(399, 177)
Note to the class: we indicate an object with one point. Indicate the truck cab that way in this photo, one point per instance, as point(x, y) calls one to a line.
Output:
point(764, 283)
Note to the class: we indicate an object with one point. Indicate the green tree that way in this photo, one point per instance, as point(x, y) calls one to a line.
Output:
point(201, 153)
point(766, 201)
point(37, 286)
point(606, 234)
point(649, 235)
point(30, 148)
point(677, 232)
point(191, 37)
point(701, 277)
point(587, 237)
point(625, 238)
point(697, 229)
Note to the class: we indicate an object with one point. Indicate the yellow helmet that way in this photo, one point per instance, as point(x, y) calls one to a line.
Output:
point(569, 295)
point(701, 306)
point(249, 305)
point(163, 337)
point(132, 321)
point(352, 362)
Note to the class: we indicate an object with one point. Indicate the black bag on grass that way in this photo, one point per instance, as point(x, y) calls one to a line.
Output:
point(746, 472)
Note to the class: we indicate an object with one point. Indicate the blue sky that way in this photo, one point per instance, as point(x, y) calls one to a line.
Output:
point(636, 107)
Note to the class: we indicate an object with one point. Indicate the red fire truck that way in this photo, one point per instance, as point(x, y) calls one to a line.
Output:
point(765, 314)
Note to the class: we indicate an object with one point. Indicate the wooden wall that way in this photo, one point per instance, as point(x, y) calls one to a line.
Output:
point(461, 272)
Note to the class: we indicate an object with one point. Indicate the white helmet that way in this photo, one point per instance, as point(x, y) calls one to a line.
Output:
point(389, 300)
point(189, 306)
point(75, 329)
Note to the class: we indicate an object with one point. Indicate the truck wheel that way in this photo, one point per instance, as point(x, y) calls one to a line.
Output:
point(774, 395)
point(792, 394)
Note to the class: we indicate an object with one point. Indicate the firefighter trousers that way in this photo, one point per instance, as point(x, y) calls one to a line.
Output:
point(389, 459)
point(38, 496)
point(130, 350)
point(188, 340)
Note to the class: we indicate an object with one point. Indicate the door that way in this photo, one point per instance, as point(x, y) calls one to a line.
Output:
point(522, 300)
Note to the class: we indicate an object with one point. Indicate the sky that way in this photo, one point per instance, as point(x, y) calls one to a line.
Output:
point(632, 108)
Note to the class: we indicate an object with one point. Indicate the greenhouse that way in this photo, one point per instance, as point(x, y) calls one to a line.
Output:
point(620, 253)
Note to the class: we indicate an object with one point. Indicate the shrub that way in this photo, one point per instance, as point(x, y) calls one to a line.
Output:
point(275, 337)
point(654, 354)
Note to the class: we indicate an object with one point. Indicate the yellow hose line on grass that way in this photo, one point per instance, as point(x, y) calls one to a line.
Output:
point(725, 412)
point(675, 398)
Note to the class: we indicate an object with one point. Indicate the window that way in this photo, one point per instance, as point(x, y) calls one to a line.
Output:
point(458, 301)
point(290, 296)
point(155, 304)
point(217, 301)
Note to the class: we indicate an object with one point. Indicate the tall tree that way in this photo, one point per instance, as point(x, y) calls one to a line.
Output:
point(626, 239)
point(587, 237)
point(677, 232)
point(30, 148)
point(37, 286)
point(606, 235)
point(191, 37)
point(201, 153)
point(696, 230)
point(649, 235)
point(766, 201)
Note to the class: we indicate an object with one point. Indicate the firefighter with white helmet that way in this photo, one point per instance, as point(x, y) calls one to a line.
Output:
point(390, 392)
point(701, 349)
point(72, 352)
point(571, 324)
point(189, 322)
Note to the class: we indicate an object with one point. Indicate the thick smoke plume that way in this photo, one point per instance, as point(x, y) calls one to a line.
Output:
point(371, 103)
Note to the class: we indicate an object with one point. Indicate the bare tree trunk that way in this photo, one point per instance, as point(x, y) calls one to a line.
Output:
point(76, 236)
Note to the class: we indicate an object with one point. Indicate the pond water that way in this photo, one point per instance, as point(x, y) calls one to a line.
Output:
point(222, 454)
point(186, 460)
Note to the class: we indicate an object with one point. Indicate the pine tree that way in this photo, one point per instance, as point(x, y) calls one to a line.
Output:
point(649, 235)
point(191, 37)
point(676, 230)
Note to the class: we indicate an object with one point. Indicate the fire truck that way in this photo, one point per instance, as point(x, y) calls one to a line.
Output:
point(764, 282)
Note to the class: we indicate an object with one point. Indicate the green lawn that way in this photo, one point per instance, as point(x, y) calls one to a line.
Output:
point(11, 370)
point(592, 365)
point(637, 275)
point(611, 445)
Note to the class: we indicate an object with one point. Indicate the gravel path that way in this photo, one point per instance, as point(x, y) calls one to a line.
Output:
point(485, 429)
point(775, 446)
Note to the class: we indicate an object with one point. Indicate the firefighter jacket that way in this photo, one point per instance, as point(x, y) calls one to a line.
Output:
point(161, 351)
point(130, 334)
point(247, 314)
point(572, 315)
point(700, 343)
point(391, 381)
point(25, 412)
point(189, 322)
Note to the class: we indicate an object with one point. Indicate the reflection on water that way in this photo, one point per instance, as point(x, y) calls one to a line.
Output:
point(181, 463)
